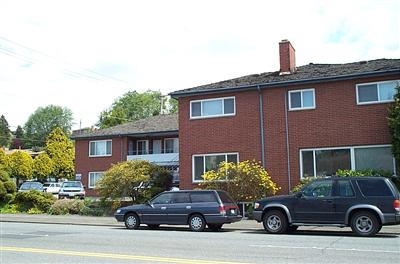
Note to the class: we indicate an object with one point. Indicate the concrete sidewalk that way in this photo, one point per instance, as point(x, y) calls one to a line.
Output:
point(245, 224)
point(96, 220)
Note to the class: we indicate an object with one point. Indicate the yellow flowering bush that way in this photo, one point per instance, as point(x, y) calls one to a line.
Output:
point(245, 181)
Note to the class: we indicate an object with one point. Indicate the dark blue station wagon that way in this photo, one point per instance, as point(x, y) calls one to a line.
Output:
point(196, 208)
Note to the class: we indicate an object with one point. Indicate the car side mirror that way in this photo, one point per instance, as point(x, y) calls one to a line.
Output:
point(299, 194)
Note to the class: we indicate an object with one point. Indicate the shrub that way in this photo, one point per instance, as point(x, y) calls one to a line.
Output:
point(33, 199)
point(7, 186)
point(65, 206)
point(246, 181)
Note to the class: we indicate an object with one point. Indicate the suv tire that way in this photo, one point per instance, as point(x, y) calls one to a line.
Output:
point(132, 221)
point(197, 223)
point(275, 222)
point(364, 223)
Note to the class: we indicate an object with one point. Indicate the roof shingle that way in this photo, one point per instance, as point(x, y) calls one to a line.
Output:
point(311, 72)
point(154, 124)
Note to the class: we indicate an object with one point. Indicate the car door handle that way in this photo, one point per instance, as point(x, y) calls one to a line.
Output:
point(328, 200)
point(188, 207)
point(163, 208)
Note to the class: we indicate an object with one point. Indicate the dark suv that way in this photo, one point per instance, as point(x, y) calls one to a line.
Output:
point(363, 203)
point(196, 208)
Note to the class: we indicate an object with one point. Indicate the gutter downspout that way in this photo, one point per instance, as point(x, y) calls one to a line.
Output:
point(261, 126)
point(287, 142)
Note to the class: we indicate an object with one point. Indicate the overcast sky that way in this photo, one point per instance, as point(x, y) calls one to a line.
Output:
point(84, 54)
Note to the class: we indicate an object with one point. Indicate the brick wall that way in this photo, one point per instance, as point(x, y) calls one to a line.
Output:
point(336, 121)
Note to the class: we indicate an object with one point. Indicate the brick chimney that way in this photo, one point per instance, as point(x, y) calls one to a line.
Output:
point(286, 57)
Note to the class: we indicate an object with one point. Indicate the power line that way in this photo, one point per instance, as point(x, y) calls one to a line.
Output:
point(84, 73)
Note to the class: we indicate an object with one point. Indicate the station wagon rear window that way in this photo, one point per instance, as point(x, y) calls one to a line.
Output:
point(203, 197)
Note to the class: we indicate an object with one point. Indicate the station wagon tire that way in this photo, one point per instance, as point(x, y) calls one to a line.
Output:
point(364, 223)
point(153, 226)
point(197, 223)
point(275, 222)
point(215, 227)
point(132, 221)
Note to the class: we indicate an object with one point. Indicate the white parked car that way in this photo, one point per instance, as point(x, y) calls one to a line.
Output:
point(52, 187)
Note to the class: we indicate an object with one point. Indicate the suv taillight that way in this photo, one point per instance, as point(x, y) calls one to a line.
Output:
point(396, 205)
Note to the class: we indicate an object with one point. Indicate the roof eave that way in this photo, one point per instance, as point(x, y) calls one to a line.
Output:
point(178, 94)
point(142, 134)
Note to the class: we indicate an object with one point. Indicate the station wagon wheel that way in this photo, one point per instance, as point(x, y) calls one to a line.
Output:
point(365, 224)
point(132, 221)
point(275, 222)
point(197, 223)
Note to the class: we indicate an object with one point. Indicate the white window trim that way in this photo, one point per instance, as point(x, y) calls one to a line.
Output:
point(377, 87)
point(106, 155)
point(301, 93)
point(137, 147)
point(174, 140)
point(90, 186)
point(352, 156)
point(204, 161)
point(212, 116)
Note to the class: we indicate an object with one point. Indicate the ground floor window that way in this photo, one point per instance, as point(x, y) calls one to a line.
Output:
point(207, 162)
point(326, 161)
point(94, 177)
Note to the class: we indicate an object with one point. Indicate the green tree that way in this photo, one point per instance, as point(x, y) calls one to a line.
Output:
point(123, 179)
point(7, 187)
point(394, 125)
point(246, 181)
point(21, 164)
point(17, 141)
point(43, 166)
point(5, 133)
point(134, 106)
point(43, 121)
point(4, 161)
point(60, 150)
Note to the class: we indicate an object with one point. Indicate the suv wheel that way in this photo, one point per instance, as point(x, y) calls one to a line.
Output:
point(365, 224)
point(132, 221)
point(275, 222)
point(197, 223)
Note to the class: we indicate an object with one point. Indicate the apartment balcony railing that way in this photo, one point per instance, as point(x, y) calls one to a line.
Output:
point(161, 159)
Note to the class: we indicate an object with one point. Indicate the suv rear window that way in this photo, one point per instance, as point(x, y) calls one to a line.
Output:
point(203, 197)
point(374, 187)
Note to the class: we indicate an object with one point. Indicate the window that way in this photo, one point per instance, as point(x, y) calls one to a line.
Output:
point(326, 162)
point(100, 148)
point(376, 92)
point(345, 189)
point(204, 163)
point(212, 107)
point(374, 188)
point(171, 145)
point(302, 99)
point(94, 177)
point(142, 147)
point(318, 189)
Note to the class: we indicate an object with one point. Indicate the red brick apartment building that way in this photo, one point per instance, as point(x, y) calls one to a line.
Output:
point(154, 139)
point(298, 122)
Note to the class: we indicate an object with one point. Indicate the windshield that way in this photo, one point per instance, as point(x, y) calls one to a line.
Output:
point(72, 184)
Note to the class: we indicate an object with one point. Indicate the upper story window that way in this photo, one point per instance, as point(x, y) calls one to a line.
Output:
point(142, 147)
point(212, 107)
point(302, 99)
point(100, 148)
point(377, 92)
point(171, 145)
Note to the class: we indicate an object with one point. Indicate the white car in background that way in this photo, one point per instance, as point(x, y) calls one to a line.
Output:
point(52, 187)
